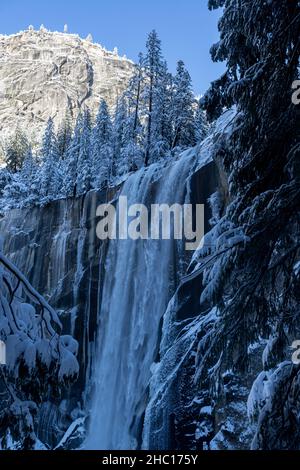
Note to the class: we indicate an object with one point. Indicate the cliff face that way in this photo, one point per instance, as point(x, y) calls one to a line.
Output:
point(56, 247)
point(45, 73)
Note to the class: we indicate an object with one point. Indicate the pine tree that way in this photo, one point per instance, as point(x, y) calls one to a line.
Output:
point(134, 95)
point(84, 164)
point(16, 150)
point(49, 140)
point(183, 109)
point(128, 154)
point(21, 189)
point(162, 114)
point(29, 175)
point(134, 129)
point(50, 183)
point(71, 160)
point(201, 126)
point(64, 135)
point(5, 179)
point(14, 193)
point(102, 152)
point(29, 166)
point(118, 137)
point(255, 244)
point(132, 157)
point(153, 65)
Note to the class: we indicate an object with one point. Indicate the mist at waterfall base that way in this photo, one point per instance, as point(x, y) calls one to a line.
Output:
point(141, 276)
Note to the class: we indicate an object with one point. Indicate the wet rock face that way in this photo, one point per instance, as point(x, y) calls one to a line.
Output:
point(45, 73)
point(58, 250)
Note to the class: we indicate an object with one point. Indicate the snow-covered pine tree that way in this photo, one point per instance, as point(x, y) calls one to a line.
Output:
point(134, 94)
point(22, 188)
point(134, 130)
point(5, 179)
point(132, 152)
point(71, 160)
point(201, 125)
point(50, 178)
point(29, 165)
point(183, 109)
point(128, 154)
point(162, 114)
point(154, 67)
point(118, 137)
point(84, 164)
point(254, 247)
point(14, 193)
point(64, 135)
point(102, 152)
point(15, 150)
point(29, 177)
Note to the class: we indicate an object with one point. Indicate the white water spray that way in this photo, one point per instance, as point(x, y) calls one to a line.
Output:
point(139, 281)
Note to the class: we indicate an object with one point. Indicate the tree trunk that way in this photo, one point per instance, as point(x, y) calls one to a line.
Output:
point(147, 154)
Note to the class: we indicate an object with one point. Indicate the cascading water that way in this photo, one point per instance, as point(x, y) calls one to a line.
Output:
point(140, 278)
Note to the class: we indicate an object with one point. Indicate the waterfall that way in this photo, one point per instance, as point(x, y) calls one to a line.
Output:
point(139, 281)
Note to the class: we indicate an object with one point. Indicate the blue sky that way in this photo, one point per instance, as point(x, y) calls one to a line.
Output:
point(186, 27)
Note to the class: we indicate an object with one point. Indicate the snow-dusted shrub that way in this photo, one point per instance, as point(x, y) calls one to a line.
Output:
point(39, 360)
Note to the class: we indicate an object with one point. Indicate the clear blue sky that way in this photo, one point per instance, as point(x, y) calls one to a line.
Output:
point(186, 27)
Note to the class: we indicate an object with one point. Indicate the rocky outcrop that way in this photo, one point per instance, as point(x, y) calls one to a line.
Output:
point(45, 73)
